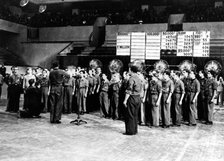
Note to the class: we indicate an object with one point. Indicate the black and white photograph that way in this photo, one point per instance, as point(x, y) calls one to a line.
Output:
point(111, 80)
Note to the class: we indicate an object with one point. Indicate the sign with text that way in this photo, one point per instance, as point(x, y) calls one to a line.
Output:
point(123, 45)
point(138, 46)
point(201, 44)
point(153, 44)
point(169, 40)
point(185, 43)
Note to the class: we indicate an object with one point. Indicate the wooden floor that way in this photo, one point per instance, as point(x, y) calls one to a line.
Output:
point(103, 140)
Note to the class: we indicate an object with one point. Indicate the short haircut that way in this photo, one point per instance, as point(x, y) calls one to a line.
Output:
point(31, 82)
point(55, 64)
point(213, 73)
point(178, 73)
point(187, 70)
point(167, 72)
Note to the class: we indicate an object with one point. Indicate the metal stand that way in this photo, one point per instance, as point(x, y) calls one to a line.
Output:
point(78, 121)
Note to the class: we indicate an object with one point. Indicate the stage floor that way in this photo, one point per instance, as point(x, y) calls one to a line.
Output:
point(103, 140)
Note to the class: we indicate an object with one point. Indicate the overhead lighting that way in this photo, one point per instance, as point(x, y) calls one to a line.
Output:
point(23, 3)
point(42, 8)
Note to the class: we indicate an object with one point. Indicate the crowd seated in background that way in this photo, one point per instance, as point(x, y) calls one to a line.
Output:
point(206, 13)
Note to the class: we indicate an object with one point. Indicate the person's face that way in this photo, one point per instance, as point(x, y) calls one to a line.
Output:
point(165, 76)
point(185, 74)
point(44, 73)
point(90, 72)
point(209, 75)
point(16, 70)
point(34, 72)
point(29, 71)
point(201, 75)
point(98, 70)
point(192, 75)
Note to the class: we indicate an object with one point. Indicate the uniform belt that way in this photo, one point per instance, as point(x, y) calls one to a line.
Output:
point(67, 86)
point(177, 93)
point(154, 93)
point(56, 85)
point(103, 91)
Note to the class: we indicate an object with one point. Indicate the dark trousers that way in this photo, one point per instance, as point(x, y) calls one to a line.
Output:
point(210, 109)
point(165, 110)
point(104, 103)
point(154, 110)
point(202, 106)
point(114, 105)
point(13, 98)
point(177, 117)
point(131, 117)
point(192, 110)
point(55, 103)
point(0, 91)
point(44, 99)
point(67, 101)
point(186, 106)
point(81, 100)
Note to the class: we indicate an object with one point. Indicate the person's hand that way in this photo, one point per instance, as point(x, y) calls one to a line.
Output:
point(180, 103)
point(157, 104)
point(125, 104)
point(73, 93)
point(168, 101)
point(193, 101)
point(85, 95)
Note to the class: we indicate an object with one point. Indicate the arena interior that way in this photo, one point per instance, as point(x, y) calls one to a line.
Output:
point(111, 80)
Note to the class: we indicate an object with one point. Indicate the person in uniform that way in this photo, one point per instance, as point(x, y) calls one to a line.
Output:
point(97, 76)
point(154, 95)
point(187, 100)
point(69, 90)
point(194, 91)
point(104, 99)
point(56, 78)
point(29, 75)
point(115, 84)
point(82, 86)
point(14, 90)
point(178, 96)
point(44, 87)
point(144, 80)
point(211, 90)
point(121, 111)
point(167, 88)
point(92, 87)
point(202, 102)
point(132, 101)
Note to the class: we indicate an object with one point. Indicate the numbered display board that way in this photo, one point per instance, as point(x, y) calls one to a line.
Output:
point(201, 44)
point(153, 46)
point(138, 46)
point(169, 41)
point(123, 44)
point(185, 43)
point(141, 45)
